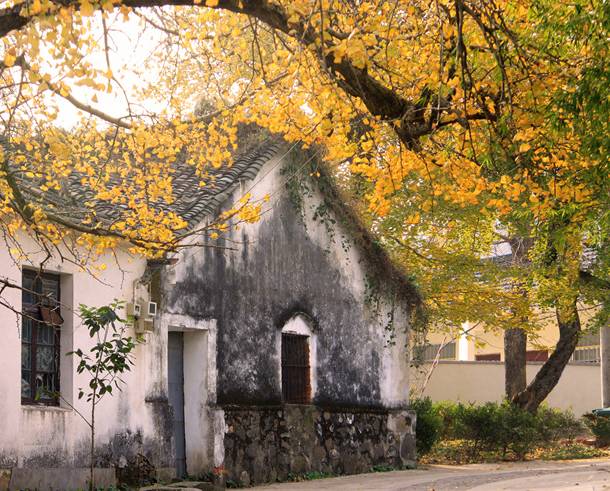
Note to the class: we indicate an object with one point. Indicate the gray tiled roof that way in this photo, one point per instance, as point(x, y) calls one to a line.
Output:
point(191, 201)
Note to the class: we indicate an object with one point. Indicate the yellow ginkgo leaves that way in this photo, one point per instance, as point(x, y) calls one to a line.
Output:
point(10, 57)
point(86, 8)
point(479, 137)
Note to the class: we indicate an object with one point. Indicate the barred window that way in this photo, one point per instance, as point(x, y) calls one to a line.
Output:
point(40, 338)
point(589, 354)
point(428, 352)
point(588, 348)
point(296, 383)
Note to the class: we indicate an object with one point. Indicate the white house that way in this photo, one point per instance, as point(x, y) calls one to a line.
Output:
point(278, 349)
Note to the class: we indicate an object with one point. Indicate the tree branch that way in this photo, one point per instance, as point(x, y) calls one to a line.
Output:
point(380, 100)
point(75, 102)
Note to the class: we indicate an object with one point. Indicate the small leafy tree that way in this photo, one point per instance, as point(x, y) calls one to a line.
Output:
point(429, 424)
point(104, 363)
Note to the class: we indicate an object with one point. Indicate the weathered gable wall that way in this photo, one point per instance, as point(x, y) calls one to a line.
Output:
point(293, 260)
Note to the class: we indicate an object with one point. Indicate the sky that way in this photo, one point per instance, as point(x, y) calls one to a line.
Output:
point(129, 45)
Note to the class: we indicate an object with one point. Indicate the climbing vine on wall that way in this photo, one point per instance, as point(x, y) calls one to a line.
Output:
point(382, 278)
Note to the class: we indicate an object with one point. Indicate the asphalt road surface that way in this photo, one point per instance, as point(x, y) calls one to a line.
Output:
point(581, 475)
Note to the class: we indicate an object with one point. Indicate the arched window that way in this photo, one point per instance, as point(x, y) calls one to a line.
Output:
point(298, 361)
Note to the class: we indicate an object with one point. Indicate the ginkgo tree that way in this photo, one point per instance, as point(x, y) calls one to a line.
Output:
point(450, 115)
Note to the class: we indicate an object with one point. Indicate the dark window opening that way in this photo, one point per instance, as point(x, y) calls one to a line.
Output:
point(488, 357)
point(40, 338)
point(537, 355)
point(296, 384)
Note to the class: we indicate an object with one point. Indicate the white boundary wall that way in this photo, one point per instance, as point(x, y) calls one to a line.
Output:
point(579, 388)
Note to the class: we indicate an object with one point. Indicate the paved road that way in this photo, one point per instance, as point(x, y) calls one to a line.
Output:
point(587, 475)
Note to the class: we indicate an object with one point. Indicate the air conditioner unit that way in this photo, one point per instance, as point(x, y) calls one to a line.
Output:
point(152, 309)
point(133, 310)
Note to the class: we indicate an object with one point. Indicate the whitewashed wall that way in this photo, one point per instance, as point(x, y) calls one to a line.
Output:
point(577, 390)
point(44, 436)
point(348, 261)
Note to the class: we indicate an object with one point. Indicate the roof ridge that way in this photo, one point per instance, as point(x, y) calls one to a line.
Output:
point(244, 168)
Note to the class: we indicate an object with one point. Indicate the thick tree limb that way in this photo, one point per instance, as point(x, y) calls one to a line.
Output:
point(549, 374)
point(380, 100)
point(515, 339)
point(515, 361)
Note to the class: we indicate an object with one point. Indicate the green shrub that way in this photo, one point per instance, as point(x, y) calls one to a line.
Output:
point(600, 427)
point(556, 424)
point(451, 416)
point(477, 424)
point(569, 451)
point(497, 427)
point(428, 426)
point(520, 430)
point(505, 428)
point(501, 429)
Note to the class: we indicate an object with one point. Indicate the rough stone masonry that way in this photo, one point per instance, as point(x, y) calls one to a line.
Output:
point(266, 444)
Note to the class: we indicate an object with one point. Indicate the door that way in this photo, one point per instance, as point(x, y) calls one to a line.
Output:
point(175, 377)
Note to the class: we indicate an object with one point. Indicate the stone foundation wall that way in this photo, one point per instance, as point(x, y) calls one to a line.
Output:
point(265, 444)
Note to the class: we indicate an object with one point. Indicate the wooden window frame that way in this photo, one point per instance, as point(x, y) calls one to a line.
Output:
point(36, 313)
point(296, 369)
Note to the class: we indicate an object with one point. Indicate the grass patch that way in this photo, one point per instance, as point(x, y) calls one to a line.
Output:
point(570, 451)
point(385, 468)
point(463, 452)
point(310, 476)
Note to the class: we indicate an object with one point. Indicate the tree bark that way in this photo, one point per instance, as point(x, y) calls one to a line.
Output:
point(515, 348)
point(515, 340)
point(548, 376)
point(605, 364)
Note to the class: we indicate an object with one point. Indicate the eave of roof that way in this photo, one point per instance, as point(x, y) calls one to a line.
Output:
point(190, 201)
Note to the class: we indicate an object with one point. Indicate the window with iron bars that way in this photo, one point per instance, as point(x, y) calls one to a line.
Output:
point(429, 352)
point(296, 369)
point(587, 349)
point(40, 338)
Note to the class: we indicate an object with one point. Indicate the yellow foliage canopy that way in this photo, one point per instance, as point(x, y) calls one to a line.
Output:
point(439, 107)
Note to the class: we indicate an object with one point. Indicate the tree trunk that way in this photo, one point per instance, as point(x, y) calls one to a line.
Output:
point(515, 347)
point(515, 340)
point(548, 376)
point(605, 364)
point(92, 449)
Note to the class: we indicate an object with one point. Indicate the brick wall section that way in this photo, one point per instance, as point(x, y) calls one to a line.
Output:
point(266, 444)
